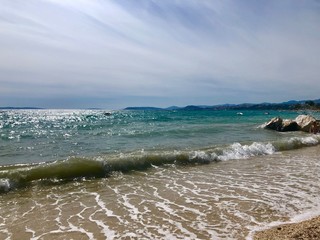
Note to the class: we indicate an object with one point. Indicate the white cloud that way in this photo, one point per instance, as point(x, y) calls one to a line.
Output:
point(206, 50)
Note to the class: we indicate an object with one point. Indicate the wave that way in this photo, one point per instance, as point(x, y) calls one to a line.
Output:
point(74, 168)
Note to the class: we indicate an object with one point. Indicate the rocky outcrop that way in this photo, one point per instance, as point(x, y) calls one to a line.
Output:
point(289, 125)
point(274, 124)
point(305, 122)
point(301, 123)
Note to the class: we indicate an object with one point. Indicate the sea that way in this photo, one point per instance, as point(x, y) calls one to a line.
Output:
point(156, 174)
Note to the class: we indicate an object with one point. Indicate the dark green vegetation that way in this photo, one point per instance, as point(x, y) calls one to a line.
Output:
point(290, 105)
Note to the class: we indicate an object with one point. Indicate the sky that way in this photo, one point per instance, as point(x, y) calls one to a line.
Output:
point(117, 53)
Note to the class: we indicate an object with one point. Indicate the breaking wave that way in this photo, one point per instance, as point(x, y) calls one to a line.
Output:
point(75, 168)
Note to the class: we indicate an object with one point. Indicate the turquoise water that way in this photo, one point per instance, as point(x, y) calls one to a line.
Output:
point(93, 174)
point(93, 143)
point(48, 135)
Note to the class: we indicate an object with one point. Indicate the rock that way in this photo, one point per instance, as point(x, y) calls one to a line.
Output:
point(289, 125)
point(274, 124)
point(302, 122)
point(305, 122)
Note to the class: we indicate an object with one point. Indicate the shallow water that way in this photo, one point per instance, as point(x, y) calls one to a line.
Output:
point(224, 200)
point(213, 189)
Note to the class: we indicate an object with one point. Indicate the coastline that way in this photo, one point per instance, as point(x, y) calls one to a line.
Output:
point(305, 230)
point(148, 175)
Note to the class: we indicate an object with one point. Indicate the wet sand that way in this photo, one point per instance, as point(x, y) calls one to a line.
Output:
point(222, 200)
point(306, 230)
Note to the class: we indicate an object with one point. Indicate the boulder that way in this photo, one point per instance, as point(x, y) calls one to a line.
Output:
point(274, 124)
point(305, 122)
point(302, 122)
point(289, 125)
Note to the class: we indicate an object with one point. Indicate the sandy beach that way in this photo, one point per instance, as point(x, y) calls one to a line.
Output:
point(67, 174)
point(306, 230)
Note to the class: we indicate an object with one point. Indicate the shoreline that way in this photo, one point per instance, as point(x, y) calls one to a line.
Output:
point(305, 230)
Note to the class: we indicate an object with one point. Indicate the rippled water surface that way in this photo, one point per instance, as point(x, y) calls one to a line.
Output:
point(151, 175)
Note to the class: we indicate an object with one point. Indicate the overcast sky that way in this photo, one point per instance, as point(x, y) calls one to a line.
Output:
point(118, 53)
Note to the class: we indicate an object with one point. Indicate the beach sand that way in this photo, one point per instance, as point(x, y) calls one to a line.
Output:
point(305, 230)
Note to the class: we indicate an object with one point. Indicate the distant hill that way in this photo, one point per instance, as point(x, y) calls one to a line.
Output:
point(289, 105)
point(173, 108)
point(143, 108)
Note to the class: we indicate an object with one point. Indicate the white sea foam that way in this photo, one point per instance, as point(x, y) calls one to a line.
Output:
point(7, 233)
point(234, 151)
point(314, 212)
point(204, 156)
point(134, 212)
point(29, 230)
point(310, 140)
point(238, 151)
point(107, 231)
point(4, 185)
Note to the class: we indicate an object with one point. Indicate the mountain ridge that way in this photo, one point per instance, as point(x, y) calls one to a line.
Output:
point(288, 105)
